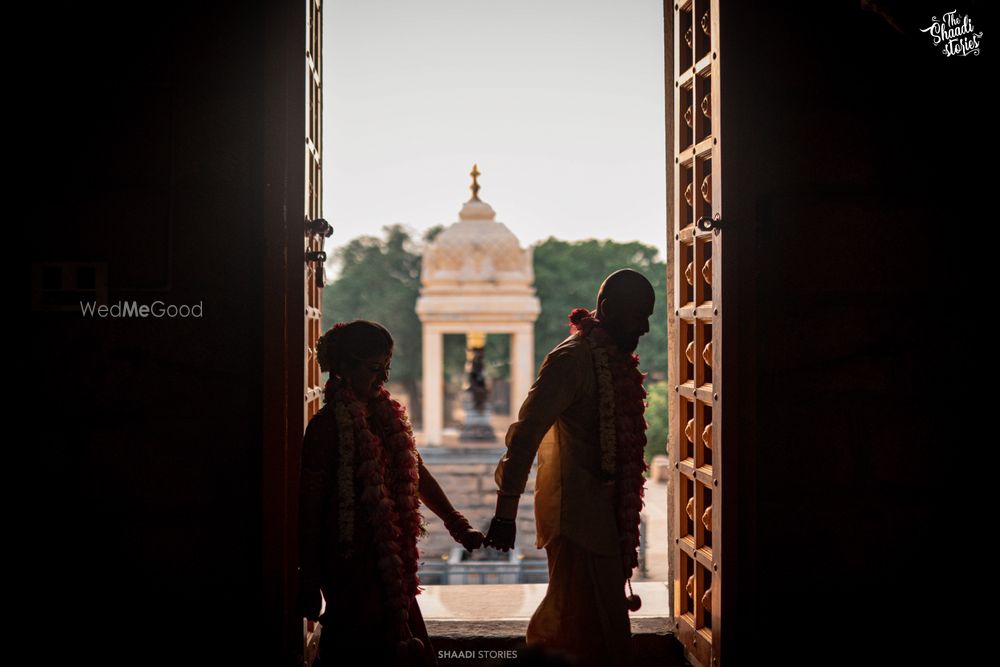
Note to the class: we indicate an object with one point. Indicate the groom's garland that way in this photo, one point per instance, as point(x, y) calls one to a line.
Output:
point(389, 473)
point(621, 403)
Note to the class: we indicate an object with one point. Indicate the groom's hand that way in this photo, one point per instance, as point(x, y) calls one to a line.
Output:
point(502, 534)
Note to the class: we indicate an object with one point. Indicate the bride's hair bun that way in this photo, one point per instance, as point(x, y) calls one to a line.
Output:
point(359, 338)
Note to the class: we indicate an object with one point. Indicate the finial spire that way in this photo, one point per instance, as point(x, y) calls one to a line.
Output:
point(476, 208)
point(475, 182)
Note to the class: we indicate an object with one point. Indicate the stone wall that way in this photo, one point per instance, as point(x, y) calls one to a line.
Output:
point(466, 475)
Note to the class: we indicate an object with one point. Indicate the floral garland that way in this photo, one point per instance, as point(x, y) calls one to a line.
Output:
point(388, 469)
point(621, 403)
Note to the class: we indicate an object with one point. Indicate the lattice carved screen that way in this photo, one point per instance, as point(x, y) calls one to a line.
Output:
point(697, 297)
point(313, 275)
point(314, 236)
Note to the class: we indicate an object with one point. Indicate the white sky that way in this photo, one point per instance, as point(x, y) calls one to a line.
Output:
point(560, 102)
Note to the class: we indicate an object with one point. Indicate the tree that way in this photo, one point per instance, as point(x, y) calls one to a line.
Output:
point(380, 280)
point(568, 275)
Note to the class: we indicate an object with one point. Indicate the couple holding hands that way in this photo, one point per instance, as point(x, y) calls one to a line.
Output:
point(363, 483)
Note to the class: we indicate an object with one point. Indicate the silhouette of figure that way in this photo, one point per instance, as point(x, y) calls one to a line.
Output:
point(362, 482)
point(583, 417)
point(477, 379)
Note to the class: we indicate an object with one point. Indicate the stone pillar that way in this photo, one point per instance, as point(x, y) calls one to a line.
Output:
point(522, 366)
point(433, 385)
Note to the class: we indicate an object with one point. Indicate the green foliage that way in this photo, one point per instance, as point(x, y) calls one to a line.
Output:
point(497, 355)
point(454, 354)
point(380, 281)
point(568, 275)
point(657, 417)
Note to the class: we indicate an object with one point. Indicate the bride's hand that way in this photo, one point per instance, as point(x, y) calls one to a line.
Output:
point(463, 533)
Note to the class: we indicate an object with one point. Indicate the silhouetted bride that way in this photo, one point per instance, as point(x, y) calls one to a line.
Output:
point(361, 486)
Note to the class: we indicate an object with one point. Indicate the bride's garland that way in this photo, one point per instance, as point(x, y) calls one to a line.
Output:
point(389, 473)
point(621, 403)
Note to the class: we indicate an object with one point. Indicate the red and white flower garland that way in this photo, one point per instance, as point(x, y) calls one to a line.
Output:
point(621, 403)
point(389, 473)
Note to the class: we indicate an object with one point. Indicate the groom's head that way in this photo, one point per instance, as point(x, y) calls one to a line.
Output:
point(624, 304)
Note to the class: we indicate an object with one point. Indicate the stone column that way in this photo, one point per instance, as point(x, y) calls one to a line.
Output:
point(522, 365)
point(433, 385)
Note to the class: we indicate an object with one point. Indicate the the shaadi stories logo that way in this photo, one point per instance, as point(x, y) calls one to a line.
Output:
point(956, 32)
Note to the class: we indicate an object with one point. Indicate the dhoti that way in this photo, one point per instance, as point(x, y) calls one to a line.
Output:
point(583, 612)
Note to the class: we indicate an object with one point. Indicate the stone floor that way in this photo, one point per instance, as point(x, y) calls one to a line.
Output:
point(484, 645)
point(491, 620)
point(516, 602)
point(657, 541)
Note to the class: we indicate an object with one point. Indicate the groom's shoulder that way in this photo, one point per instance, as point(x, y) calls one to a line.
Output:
point(572, 346)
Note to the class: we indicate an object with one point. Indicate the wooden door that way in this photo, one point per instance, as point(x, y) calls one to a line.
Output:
point(316, 231)
point(830, 202)
point(697, 306)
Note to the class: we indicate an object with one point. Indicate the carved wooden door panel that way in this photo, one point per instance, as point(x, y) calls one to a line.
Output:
point(697, 309)
point(316, 231)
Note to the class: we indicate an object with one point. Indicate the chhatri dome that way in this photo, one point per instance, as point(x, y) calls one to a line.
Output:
point(477, 249)
point(476, 280)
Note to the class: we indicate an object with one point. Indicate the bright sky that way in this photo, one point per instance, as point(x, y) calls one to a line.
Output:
point(560, 102)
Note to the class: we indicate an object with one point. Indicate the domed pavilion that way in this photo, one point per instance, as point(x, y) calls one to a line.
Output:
point(476, 280)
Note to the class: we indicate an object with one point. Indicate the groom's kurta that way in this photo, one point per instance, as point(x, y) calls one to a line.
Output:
point(583, 611)
point(559, 419)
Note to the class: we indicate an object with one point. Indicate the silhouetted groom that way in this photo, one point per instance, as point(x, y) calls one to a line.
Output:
point(584, 418)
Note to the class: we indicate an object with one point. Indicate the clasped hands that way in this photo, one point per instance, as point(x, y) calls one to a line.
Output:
point(501, 535)
point(503, 529)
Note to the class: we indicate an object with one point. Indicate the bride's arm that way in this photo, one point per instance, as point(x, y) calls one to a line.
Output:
point(433, 496)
